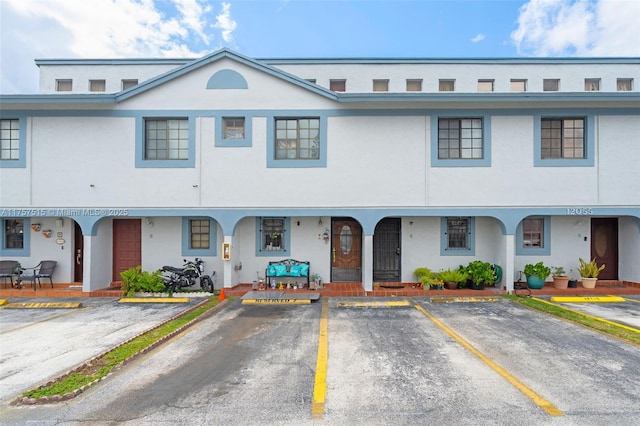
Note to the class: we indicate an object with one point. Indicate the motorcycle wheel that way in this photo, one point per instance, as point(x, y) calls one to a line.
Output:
point(207, 284)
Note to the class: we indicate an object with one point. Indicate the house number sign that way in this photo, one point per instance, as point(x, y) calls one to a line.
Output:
point(579, 211)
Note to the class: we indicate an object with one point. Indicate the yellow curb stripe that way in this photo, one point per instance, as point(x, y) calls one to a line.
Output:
point(527, 391)
point(615, 324)
point(388, 304)
point(3, 301)
point(320, 382)
point(276, 301)
point(154, 300)
point(586, 299)
point(632, 300)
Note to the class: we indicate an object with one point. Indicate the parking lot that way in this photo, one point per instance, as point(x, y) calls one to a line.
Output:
point(395, 361)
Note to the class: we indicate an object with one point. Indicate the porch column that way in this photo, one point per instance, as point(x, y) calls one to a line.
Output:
point(367, 263)
point(227, 265)
point(87, 263)
point(508, 272)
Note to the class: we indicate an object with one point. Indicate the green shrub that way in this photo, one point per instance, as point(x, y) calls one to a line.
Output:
point(453, 276)
point(135, 280)
point(480, 272)
point(539, 270)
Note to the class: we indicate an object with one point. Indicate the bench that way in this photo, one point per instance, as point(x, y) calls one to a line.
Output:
point(289, 270)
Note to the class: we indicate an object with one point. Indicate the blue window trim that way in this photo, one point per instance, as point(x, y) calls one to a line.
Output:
point(485, 161)
point(21, 162)
point(589, 159)
point(140, 144)
point(287, 239)
point(546, 235)
point(469, 251)
point(271, 146)
point(220, 141)
point(186, 240)
point(26, 240)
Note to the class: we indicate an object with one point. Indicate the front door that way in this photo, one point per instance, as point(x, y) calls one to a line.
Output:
point(127, 243)
point(78, 253)
point(604, 246)
point(346, 250)
point(386, 251)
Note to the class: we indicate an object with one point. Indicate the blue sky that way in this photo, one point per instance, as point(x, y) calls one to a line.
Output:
point(38, 29)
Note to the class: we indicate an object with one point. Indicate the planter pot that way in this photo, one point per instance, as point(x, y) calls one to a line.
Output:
point(561, 282)
point(589, 282)
point(438, 287)
point(474, 286)
point(451, 286)
point(535, 282)
point(573, 283)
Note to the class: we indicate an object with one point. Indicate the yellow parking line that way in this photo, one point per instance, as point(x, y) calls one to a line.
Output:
point(320, 383)
point(632, 300)
point(585, 299)
point(382, 304)
point(615, 324)
point(527, 391)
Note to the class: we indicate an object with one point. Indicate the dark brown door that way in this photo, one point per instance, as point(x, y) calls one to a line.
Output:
point(604, 246)
point(127, 243)
point(386, 251)
point(78, 250)
point(346, 250)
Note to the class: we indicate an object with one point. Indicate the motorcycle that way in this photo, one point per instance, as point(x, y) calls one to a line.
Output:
point(189, 275)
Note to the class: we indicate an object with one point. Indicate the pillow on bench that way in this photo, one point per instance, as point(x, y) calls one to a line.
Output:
point(277, 270)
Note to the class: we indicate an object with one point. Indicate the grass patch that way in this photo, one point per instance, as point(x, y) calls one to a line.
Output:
point(618, 332)
point(103, 365)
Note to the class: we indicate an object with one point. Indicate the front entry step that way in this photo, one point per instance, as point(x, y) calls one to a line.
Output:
point(278, 297)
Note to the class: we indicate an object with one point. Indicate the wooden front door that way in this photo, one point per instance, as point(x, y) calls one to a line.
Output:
point(78, 253)
point(386, 251)
point(604, 246)
point(127, 243)
point(346, 250)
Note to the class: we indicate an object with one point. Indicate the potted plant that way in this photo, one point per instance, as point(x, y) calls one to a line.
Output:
point(589, 272)
point(479, 274)
point(536, 274)
point(452, 277)
point(560, 278)
point(424, 276)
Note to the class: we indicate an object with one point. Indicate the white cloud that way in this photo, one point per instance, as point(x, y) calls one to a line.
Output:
point(578, 28)
point(478, 38)
point(226, 23)
point(102, 29)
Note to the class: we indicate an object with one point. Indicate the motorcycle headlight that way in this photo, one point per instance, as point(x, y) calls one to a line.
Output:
point(201, 267)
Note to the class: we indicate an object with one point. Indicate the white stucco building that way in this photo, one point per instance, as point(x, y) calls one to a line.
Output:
point(367, 168)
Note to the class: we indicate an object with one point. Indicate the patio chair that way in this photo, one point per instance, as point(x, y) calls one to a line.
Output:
point(42, 270)
point(8, 270)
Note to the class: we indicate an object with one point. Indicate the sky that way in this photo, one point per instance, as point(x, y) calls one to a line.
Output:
point(88, 29)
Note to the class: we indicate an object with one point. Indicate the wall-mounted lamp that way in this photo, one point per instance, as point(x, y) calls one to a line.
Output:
point(298, 223)
point(320, 222)
point(59, 222)
point(91, 185)
point(149, 221)
point(195, 186)
point(411, 223)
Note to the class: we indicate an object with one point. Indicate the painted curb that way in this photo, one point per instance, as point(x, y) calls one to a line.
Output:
point(154, 300)
point(590, 299)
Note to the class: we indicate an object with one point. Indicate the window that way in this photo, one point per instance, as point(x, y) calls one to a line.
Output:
point(460, 138)
point(485, 85)
point(13, 234)
point(166, 139)
point(518, 85)
point(129, 83)
point(446, 85)
point(97, 85)
point(533, 236)
point(624, 84)
point(272, 236)
point(338, 85)
point(591, 84)
point(64, 85)
point(9, 139)
point(233, 128)
point(414, 85)
point(380, 85)
point(551, 84)
point(199, 234)
point(457, 236)
point(533, 233)
point(297, 139)
point(563, 137)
